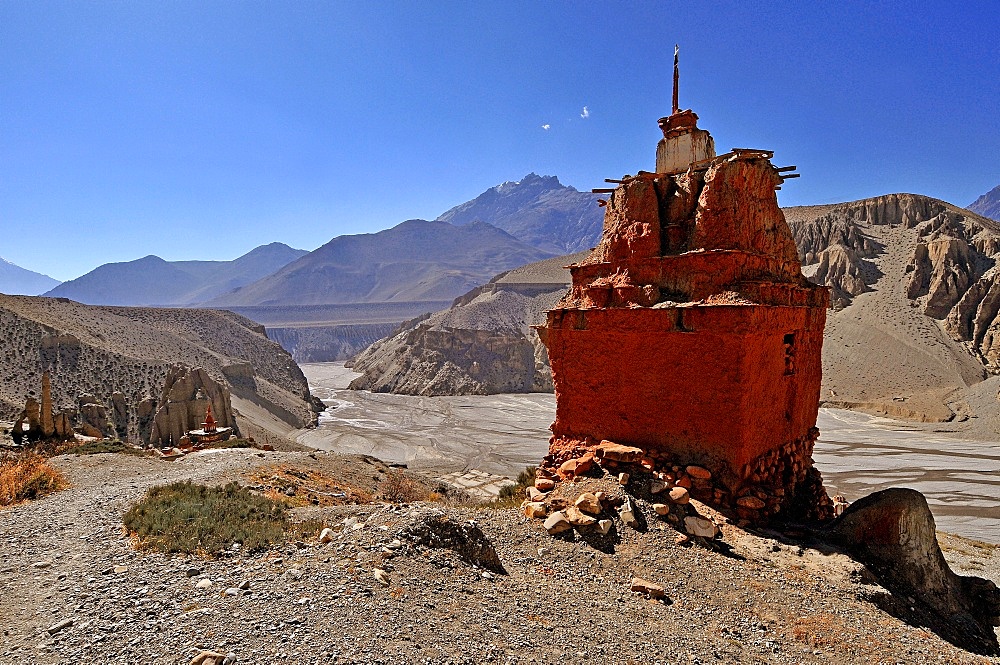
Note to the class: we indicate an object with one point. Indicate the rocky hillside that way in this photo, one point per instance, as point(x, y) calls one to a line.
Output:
point(483, 344)
point(101, 350)
point(988, 205)
point(915, 303)
point(18, 281)
point(538, 210)
point(318, 344)
point(151, 281)
point(913, 333)
point(413, 261)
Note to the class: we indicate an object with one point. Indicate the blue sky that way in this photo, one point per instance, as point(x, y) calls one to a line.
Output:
point(199, 130)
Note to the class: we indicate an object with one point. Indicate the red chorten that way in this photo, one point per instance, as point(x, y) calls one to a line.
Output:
point(691, 334)
point(209, 424)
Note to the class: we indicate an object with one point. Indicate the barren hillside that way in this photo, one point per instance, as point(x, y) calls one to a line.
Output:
point(129, 349)
point(483, 344)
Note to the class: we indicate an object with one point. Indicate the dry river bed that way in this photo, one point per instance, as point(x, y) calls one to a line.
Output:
point(501, 434)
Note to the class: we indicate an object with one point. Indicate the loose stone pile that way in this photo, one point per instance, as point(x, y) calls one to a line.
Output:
point(664, 480)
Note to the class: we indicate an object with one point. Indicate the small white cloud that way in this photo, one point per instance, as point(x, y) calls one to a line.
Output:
point(585, 113)
point(546, 127)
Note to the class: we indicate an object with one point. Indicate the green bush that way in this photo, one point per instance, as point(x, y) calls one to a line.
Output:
point(185, 517)
point(104, 446)
point(513, 494)
point(232, 443)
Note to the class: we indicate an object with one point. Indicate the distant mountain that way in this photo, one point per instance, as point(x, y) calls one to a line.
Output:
point(987, 205)
point(151, 281)
point(413, 261)
point(18, 281)
point(538, 210)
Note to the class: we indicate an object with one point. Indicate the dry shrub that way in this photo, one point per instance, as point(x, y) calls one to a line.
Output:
point(820, 630)
point(27, 476)
point(397, 487)
point(301, 486)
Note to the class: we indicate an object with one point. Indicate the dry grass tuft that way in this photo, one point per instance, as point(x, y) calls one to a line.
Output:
point(821, 630)
point(27, 476)
point(301, 486)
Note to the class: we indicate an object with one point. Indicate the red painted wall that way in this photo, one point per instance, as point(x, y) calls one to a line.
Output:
point(707, 382)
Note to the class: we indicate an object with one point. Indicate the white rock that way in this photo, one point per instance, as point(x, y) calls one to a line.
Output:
point(700, 526)
point(557, 522)
point(627, 513)
point(661, 508)
point(204, 584)
point(382, 576)
point(326, 535)
point(603, 526)
point(623, 478)
point(232, 591)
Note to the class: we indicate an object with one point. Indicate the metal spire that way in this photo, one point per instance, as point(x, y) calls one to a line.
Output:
point(677, 49)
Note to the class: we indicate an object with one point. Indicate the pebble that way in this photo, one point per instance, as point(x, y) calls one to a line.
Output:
point(326, 535)
point(661, 508)
point(60, 626)
point(203, 584)
point(381, 576)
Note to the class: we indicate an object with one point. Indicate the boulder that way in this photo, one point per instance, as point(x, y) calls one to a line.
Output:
point(700, 526)
point(618, 452)
point(892, 532)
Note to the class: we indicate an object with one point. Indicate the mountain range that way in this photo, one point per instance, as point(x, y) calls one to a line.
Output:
point(413, 261)
point(538, 210)
point(508, 225)
point(151, 281)
point(18, 281)
point(988, 205)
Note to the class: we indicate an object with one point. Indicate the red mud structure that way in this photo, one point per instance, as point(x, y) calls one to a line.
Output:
point(690, 335)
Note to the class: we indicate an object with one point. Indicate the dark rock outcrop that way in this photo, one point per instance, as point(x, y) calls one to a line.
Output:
point(892, 532)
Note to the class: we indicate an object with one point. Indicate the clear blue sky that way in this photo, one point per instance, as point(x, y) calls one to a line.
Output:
point(203, 129)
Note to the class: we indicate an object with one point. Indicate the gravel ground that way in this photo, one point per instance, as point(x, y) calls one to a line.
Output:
point(65, 559)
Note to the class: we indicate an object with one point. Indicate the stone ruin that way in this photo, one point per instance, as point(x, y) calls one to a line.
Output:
point(187, 393)
point(689, 343)
point(42, 422)
point(181, 408)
